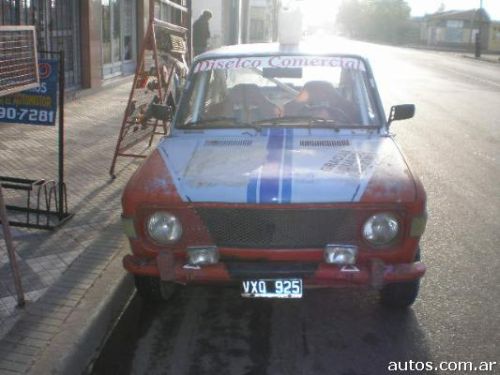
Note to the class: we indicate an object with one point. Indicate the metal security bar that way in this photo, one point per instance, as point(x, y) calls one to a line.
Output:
point(177, 12)
point(18, 59)
point(46, 205)
point(57, 26)
point(171, 11)
point(11, 251)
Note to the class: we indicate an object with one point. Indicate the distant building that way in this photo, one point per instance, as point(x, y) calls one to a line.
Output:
point(494, 37)
point(262, 14)
point(239, 21)
point(458, 29)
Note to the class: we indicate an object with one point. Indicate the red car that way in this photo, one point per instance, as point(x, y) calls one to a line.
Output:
point(279, 174)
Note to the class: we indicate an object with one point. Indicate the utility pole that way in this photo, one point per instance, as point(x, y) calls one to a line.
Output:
point(477, 52)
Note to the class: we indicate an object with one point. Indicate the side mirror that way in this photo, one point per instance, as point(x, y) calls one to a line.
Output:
point(401, 112)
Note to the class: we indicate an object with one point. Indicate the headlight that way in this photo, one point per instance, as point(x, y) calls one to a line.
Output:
point(381, 229)
point(164, 228)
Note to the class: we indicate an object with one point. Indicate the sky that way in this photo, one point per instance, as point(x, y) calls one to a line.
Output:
point(419, 7)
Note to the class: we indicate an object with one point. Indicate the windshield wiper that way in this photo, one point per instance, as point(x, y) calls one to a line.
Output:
point(222, 122)
point(309, 121)
point(295, 120)
point(226, 122)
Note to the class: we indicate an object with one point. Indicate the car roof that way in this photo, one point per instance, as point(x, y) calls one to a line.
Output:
point(266, 49)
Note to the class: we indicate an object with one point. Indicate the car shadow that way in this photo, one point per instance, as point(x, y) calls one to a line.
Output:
point(212, 330)
point(340, 331)
point(343, 331)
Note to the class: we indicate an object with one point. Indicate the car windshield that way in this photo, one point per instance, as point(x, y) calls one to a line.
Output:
point(317, 91)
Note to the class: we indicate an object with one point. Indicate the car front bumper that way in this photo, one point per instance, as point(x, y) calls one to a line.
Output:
point(374, 274)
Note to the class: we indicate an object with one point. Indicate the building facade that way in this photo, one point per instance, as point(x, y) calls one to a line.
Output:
point(101, 39)
point(456, 29)
point(239, 21)
point(57, 24)
point(494, 37)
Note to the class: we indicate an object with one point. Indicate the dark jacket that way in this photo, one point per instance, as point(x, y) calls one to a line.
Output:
point(201, 33)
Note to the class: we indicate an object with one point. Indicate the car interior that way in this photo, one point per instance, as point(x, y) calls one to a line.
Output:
point(247, 103)
point(321, 99)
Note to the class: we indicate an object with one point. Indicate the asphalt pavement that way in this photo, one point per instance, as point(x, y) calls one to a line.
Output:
point(453, 145)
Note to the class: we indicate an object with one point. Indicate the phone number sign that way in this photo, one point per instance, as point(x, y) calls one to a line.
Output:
point(36, 106)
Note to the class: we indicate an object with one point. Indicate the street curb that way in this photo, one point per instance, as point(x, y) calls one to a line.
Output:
point(492, 61)
point(82, 335)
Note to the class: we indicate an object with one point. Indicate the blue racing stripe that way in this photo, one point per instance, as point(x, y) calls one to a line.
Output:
point(286, 192)
point(252, 190)
point(270, 179)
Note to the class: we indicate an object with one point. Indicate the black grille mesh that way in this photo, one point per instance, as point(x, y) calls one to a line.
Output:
point(279, 228)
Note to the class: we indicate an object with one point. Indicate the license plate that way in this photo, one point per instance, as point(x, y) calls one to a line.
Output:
point(276, 288)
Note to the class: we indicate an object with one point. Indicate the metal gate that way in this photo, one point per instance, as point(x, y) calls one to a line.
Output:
point(57, 26)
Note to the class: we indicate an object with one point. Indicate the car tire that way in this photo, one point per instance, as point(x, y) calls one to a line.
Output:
point(400, 295)
point(152, 289)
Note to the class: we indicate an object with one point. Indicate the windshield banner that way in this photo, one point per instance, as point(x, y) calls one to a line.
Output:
point(280, 62)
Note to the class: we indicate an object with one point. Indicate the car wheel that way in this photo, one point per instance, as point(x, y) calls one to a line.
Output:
point(153, 289)
point(168, 289)
point(400, 295)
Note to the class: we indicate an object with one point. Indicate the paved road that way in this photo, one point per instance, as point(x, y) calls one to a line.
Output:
point(453, 144)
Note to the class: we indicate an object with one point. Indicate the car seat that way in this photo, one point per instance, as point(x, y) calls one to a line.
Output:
point(246, 103)
point(321, 99)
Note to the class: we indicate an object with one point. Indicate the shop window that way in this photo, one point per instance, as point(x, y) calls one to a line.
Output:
point(454, 24)
point(118, 37)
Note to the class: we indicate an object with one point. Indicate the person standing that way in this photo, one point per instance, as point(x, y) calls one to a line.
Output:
point(201, 32)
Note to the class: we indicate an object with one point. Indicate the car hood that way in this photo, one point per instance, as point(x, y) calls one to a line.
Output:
point(282, 166)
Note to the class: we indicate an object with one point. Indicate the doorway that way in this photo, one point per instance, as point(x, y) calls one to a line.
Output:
point(118, 37)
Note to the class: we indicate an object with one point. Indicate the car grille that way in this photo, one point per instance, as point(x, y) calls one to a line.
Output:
point(279, 228)
point(270, 270)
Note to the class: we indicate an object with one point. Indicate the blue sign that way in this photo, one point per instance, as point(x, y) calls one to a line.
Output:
point(36, 106)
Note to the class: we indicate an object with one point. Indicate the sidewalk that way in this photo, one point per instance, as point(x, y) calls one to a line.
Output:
point(487, 57)
point(73, 279)
point(484, 57)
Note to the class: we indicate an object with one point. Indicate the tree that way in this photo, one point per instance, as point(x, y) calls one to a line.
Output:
point(350, 17)
point(377, 20)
